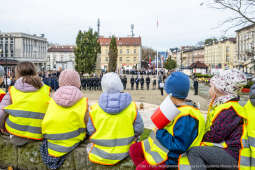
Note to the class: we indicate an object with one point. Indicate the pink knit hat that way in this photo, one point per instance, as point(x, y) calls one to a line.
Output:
point(69, 78)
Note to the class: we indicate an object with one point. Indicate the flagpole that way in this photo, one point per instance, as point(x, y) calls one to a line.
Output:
point(157, 64)
point(157, 52)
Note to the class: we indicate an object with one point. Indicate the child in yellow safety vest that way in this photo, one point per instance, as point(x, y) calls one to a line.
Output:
point(164, 147)
point(23, 107)
point(225, 143)
point(113, 124)
point(2, 93)
point(64, 124)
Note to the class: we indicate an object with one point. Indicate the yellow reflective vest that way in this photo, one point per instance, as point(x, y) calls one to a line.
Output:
point(245, 159)
point(155, 153)
point(26, 112)
point(2, 92)
point(113, 136)
point(64, 127)
point(250, 110)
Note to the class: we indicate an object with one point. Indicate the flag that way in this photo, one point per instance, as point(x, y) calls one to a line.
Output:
point(157, 23)
point(166, 112)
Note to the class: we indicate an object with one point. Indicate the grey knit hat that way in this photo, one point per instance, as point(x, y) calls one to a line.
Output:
point(2, 71)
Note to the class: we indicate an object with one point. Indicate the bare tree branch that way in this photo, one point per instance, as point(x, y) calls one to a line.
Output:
point(243, 9)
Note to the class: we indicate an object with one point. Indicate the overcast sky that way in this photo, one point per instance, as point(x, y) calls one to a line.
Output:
point(181, 22)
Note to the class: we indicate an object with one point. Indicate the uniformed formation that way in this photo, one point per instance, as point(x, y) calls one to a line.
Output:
point(62, 121)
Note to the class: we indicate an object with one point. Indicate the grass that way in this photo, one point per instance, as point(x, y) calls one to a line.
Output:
point(145, 134)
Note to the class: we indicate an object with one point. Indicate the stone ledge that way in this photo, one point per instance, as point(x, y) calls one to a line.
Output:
point(28, 158)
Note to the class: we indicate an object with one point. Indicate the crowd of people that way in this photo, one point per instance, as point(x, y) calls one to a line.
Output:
point(29, 113)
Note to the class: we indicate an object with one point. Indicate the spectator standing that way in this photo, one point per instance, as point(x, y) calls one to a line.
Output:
point(154, 82)
point(195, 85)
point(161, 87)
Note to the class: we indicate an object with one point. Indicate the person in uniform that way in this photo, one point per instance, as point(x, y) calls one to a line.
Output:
point(125, 82)
point(154, 82)
point(142, 82)
point(137, 83)
point(148, 80)
point(132, 82)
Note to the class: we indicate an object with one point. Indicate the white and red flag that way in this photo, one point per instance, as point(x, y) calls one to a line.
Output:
point(166, 112)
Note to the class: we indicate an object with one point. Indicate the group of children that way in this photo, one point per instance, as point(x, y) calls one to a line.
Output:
point(62, 121)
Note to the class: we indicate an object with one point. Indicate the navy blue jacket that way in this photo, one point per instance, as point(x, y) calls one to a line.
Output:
point(185, 132)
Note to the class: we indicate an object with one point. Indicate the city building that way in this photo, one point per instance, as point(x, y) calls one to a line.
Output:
point(192, 55)
point(17, 47)
point(220, 55)
point(61, 57)
point(129, 52)
point(246, 49)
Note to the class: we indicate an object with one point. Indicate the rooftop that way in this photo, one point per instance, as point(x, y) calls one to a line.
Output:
point(244, 28)
point(64, 48)
point(198, 64)
point(121, 41)
point(23, 35)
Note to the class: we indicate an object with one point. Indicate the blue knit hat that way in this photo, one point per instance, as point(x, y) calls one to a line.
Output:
point(177, 84)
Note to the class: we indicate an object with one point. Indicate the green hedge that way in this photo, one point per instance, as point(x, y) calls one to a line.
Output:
point(199, 75)
point(249, 84)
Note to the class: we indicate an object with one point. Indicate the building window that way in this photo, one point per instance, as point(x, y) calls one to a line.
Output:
point(120, 58)
point(127, 51)
point(227, 59)
point(120, 51)
point(134, 59)
point(127, 59)
point(134, 51)
point(227, 49)
point(106, 58)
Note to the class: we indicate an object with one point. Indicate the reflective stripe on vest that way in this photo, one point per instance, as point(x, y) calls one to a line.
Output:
point(60, 148)
point(157, 158)
point(109, 156)
point(64, 127)
point(155, 153)
point(247, 161)
point(111, 144)
point(31, 129)
point(64, 136)
point(26, 112)
point(251, 141)
point(183, 162)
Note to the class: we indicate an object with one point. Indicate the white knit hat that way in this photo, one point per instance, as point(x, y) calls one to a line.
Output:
point(229, 81)
point(111, 83)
